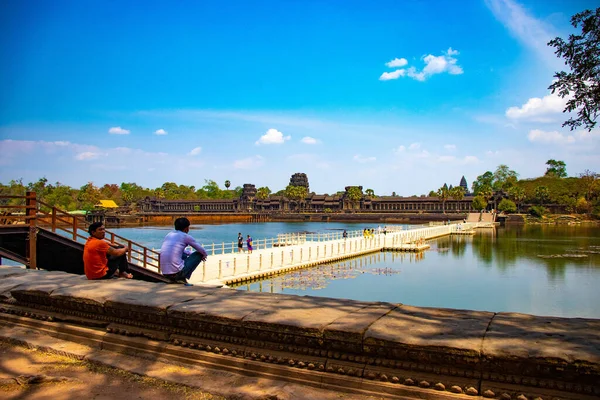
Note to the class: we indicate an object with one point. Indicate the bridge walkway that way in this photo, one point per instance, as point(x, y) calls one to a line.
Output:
point(231, 268)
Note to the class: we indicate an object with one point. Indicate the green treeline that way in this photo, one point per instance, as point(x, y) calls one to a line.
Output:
point(579, 194)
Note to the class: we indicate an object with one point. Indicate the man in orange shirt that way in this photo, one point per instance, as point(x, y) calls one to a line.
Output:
point(100, 259)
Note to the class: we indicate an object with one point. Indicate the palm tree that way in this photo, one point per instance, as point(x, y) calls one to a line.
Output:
point(457, 193)
point(542, 194)
point(443, 194)
point(518, 195)
point(227, 184)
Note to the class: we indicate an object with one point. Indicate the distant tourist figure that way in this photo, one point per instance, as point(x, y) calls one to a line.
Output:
point(177, 263)
point(102, 260)
point(240, 243)
point(345, 234)
point(249, 244)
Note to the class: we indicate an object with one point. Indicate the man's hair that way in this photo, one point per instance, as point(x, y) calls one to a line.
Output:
point(181, 223)
point(92, 228)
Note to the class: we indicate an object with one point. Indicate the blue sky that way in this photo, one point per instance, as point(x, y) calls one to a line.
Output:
point(396, 96)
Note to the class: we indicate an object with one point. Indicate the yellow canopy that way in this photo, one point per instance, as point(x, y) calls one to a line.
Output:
point(108, 204)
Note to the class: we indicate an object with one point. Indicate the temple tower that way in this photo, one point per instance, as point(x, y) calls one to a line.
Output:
point(300, 179)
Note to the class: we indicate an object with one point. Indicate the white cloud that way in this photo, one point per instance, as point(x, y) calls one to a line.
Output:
point(273, 136)
point(447, 62)
point(450, 147)
point(546, 109)
point(249, 163)
point(470, 160)
point(397, 62)
point(414, 146)
point(490, 153)
point(117, 130)
point(87, 155)
point(195, 151)
point(363, 160)
point(552, 137)
point(386, 76)
point(309, 140)
point(160, 132)
point(400, 149)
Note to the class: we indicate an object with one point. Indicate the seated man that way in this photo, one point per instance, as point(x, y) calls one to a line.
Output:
point(102, 260)
point(176, 263)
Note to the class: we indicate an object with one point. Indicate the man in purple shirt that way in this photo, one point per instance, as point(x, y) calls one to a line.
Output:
point(177, 263)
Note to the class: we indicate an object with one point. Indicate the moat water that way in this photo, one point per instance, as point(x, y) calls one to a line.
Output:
point(535, 269)
point(542, 270)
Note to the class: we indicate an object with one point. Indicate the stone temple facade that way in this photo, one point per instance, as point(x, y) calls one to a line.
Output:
point(312, 203)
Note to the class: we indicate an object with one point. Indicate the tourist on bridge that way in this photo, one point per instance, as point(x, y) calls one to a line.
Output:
point(249, 244)
point(101, 259)
point(240, 243)
point(177, 263)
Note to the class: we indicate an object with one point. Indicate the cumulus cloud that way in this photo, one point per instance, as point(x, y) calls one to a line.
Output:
point(195, 151)
point(160, 132)
point(551, 137)
point(386, 76)
point(444, 63)
point(309, 140)
point(397, 62)
point(249, 163)
point(546, 109)
point(87, 155)
point(117, 130)
point(400, 149)
point(446, 158)
point(363, 160)
point(450, 147)
point(414, 146)
point(273, 136)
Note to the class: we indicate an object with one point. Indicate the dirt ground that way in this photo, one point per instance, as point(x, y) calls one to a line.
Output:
point(34, 374)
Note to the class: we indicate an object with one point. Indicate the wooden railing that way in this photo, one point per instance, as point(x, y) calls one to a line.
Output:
point(38, 214)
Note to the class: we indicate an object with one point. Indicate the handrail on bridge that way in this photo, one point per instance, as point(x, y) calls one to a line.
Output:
point(39, 214)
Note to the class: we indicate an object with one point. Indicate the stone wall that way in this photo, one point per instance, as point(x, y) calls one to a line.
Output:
point(416, 352)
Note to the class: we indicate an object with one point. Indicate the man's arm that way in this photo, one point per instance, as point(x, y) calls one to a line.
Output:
point(192, 242)
point(116, 252)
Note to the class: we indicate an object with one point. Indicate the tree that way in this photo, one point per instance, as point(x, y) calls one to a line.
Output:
point(591, 183)
point(457, 193)
point(88, 196)
point(370, 192)
point(296, 193)
point(556, 169)
point(443, 194)
point(542, 194)
point(483, 181)
point(263, 192)
point(227, 184)
point(508, 206)
point(479, 203)
point(354, 194)
point(504, 178)
point(582, 205)
point(582, 84)
point(518, 195)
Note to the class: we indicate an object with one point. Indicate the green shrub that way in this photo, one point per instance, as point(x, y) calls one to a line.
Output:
point(508, 206)
point(537, 211)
